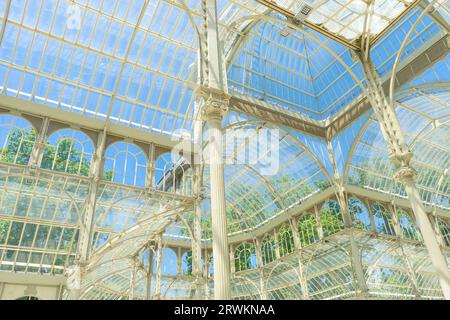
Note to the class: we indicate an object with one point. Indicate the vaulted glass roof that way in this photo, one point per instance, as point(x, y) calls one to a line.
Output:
point(122, 61)
point(135, 63)
point(300, 70)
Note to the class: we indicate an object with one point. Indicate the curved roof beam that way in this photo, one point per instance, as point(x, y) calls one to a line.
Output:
point(402, 48)
point(286, 134)
point(417, 138)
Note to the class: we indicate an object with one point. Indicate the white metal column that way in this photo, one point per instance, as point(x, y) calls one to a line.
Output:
point(214, 91)
point(75, 274)
point(260, 263)
point(88, 215)
point(298, 252)
point(214, 110)
point(401, 156)
point(148, 293)
point(159, 256)
point(197, 233)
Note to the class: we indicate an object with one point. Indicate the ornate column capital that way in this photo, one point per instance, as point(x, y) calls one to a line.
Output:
point(401, 159)
point(95, 178)
point(216, 102)
point(406, 175)
point(40, 143)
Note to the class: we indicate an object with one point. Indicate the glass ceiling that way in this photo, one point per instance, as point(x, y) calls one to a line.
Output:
point(135, 62)
point(121, 61)
point(299, 71)
point(348, 17)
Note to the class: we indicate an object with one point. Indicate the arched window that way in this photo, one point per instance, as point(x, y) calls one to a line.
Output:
point(169, 262)
point(409, 229)
point(285, 241)
point(173, 175)
point(17, 138)
point(445, 231)
point(383, 220)
point(331, 218)
point(187, 182)
point(268, 250)
point(68, 151)
point(360, 214)
point(245, 257)
point(125, 163)
point(186, 263)
point(307, 228)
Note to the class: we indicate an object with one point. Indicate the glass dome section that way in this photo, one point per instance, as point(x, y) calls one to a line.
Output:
point(111, 111)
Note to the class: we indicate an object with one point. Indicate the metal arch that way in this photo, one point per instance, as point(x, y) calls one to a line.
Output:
point(355, 143)
point(106, 276)
point(116, 260)
point(142, 196)
point(246, 280)
point(250, 169)
point(116, 272)
point(392, 247)
point(402, 48)
point(312, 258)
point(276, 194)
point(108, 246)
point(20, 116)
point(139, 196)
point(200, 40)
point(287, 134)
point(364, 207)
point(249, 230)
point(188, 227)
point(364, 127)
point(289, 285)
point(427, 131)
point(242, 35)
point(406, 270)
point(94, 146)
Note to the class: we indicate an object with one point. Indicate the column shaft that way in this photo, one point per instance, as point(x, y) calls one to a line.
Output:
point(158, 269)
point(222, 290)
point(431, 243)
point(149, 275)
